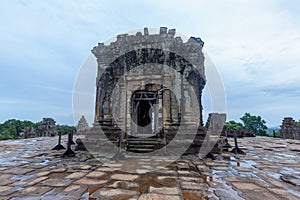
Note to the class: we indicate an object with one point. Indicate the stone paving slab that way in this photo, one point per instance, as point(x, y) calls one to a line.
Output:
point(29, 169)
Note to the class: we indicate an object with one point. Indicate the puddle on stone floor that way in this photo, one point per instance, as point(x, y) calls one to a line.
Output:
point(13, 161)
point(14, 142)
point(294, 192)
point(22, 177)
point(44, 163)
point(247, 163)
point(224, 189)
point(276, 176)
point(286, 155)
point(273, 174)
point(288, 170)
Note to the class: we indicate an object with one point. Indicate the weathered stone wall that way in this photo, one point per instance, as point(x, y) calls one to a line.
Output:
point(289, 129)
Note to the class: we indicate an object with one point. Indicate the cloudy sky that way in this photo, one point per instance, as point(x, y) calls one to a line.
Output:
point(255, 46)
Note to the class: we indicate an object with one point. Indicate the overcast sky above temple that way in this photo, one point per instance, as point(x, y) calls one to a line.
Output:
point(255, 46)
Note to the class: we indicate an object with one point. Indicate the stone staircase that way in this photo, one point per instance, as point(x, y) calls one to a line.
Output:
point(143, 145)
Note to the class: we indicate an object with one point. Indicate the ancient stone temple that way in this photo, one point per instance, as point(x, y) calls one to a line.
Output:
point(47, 128)
point(289, 129)
point(82, 124)
point(28, 132)
point(148, 86)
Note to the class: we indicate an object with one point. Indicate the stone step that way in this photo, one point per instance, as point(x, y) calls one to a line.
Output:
point(137, 144)
point(141, 150)
point(140, 146)
point(142, 143)
point(142, 138)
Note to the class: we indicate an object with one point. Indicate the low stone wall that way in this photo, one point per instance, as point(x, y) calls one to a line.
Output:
point(239, 133)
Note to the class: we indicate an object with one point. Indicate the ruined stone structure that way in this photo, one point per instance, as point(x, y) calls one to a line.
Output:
point(28, 132)
point(239, 133)
point(289, 129)
point(149, 85)
point(47, 128)
point(82, 124)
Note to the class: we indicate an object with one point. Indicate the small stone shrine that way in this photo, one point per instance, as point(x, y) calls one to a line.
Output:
point(82, 124)
point(290, 129)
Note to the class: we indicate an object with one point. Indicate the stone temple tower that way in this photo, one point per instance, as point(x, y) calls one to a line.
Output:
point(149, 86)
point(131, 51)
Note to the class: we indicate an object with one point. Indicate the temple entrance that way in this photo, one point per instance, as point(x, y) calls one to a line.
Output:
point(144, 114)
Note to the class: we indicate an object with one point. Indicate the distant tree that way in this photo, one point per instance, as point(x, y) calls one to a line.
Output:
point(277, 134)
point(255, 124)
point(298, 122)
point(10, 129)
point(14, 127)
point(64, 129)
point(6, 135)
point(232, 125)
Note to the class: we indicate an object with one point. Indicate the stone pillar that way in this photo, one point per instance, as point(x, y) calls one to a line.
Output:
point(160, 111)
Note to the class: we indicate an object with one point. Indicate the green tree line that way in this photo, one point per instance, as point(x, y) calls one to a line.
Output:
point(250, 122)
point(11, 129)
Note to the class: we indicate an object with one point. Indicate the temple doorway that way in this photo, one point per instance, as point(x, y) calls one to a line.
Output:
point(144, 114)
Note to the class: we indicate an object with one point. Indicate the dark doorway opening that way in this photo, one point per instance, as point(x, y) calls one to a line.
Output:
point(145, 117)
point(143, 112)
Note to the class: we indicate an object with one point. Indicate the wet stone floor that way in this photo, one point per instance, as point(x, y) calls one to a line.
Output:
point(30, 170)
